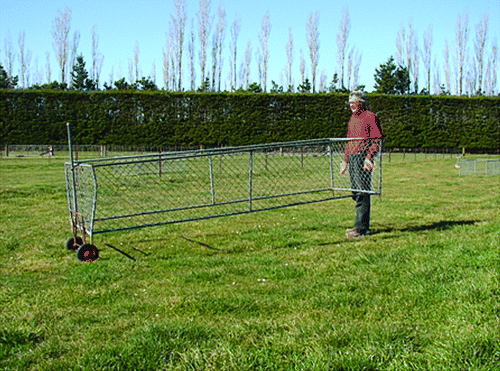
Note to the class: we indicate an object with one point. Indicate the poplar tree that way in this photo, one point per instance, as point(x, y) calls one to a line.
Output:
point(312, 36)
point(61, 44)
point(178, 28)
point(289, 55)
point(461, 37)
point(191, 56)
point(10, 55)
point(204, 26)
point(97, 57)
point(345, 27)
point(427, 56)
point(235, 32)
point(479, 46)
point(263, 40)
point(24, 60)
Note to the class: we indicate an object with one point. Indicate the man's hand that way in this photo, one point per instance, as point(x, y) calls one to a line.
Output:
point(343, 167)
point(368, 165)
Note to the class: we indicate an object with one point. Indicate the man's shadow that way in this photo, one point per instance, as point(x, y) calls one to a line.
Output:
point(436, 226)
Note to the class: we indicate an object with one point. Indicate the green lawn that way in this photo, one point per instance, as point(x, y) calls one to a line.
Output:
point(275, 290)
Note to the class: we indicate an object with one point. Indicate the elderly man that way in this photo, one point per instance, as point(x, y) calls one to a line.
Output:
point(358, 159)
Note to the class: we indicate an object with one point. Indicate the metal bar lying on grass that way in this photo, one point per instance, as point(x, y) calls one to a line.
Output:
point(131, 192)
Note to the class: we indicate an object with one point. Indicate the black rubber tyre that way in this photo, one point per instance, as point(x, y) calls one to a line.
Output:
point(87, 253)
point(72, 245)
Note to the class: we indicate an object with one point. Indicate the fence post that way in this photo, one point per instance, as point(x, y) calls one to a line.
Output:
point(250, 180)
point(212, 189)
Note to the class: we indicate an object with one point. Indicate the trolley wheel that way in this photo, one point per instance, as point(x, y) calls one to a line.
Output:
point(87, 253)
point(71, 244)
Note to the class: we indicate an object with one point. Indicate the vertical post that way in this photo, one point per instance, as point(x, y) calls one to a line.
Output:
point(73, 180)
point(380, 155)
point(250, 181)
point(212, 189)
point(332, 183)
point(161, 163)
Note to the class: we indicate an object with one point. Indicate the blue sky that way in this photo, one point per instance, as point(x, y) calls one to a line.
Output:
point(122, 23)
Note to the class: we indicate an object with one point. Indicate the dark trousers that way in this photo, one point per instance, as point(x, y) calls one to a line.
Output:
point(361, 180)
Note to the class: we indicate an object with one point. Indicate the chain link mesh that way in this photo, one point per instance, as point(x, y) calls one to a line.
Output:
point(123, 193)
point(479, 166)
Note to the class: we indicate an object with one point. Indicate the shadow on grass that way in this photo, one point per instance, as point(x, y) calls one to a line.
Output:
point(436, 226)
point(201, 244)
point(121, 251)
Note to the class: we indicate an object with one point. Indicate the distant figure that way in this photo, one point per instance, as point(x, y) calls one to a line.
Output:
point(358, 159)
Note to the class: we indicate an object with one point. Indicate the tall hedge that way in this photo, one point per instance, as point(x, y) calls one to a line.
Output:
point(162, 118)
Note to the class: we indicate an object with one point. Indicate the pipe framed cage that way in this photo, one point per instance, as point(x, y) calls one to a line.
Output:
point(131, 192)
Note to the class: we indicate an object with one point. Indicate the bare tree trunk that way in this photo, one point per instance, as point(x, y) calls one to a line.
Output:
point(215, 53)
point(407, 54)
point(481, 33)
point(258, 56)
point(248, 60)
point(312, 36)
point(357, 64)
point(166, 66)
point(74, 51)
point(136, 61)
point(461, 36)
point(263, 40)
point(10, 55)
point(97, 58)
point(437, 79)
point(342, 36)
point(427, 56)
point(204, 26)
point(302, 67)
point(492, 70)
point(179, 24)
point(22, 58)
point(235, 31)
point(221, 27)
point(350, 61)
point(447, 70)
point(289, 55)
point(48, 70)
point(130, 71)
point(60, 34)
point(400, 46)
point(191, 58)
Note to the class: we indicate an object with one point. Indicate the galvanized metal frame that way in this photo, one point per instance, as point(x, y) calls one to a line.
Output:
point(84, 182)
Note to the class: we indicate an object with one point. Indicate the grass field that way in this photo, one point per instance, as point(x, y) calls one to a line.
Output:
point(276, 290)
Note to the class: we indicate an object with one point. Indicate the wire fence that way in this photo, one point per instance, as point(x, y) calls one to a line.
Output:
point(82, 152)
point(129, 192)
point(479, 166)
point(398, 155)
point(393, 155)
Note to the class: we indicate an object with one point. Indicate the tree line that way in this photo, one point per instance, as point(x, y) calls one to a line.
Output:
point(462, 73)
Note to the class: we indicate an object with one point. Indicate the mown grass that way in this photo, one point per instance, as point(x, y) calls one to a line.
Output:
point(276, 290)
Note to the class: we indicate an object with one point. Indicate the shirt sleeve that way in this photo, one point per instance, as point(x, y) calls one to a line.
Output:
point(375, 136)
